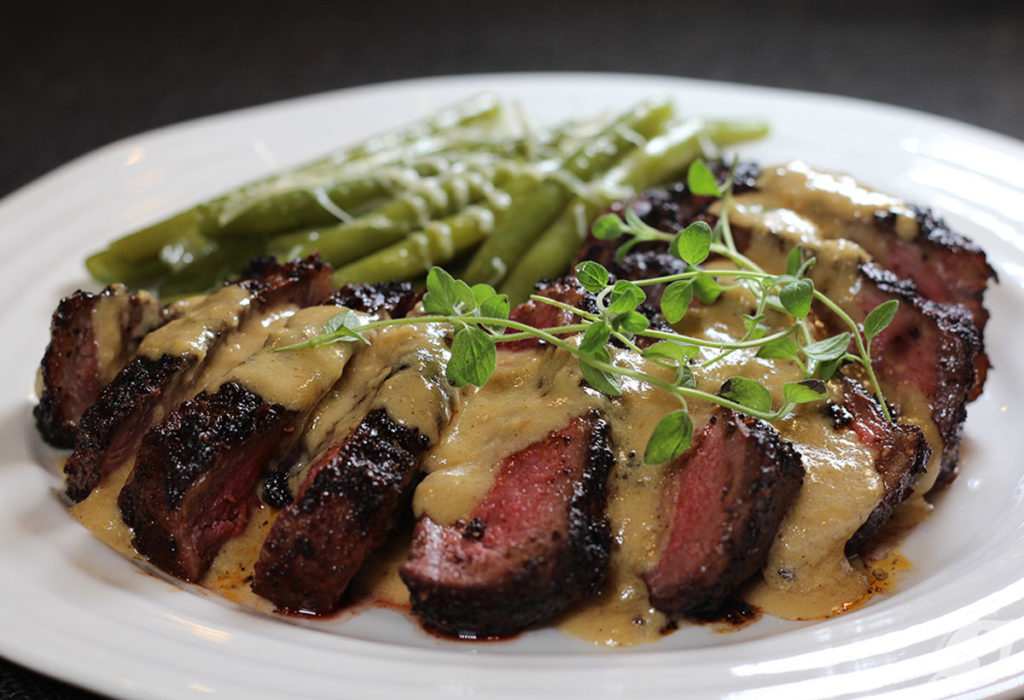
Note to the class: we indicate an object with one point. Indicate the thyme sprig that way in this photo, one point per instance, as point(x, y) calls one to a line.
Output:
point(480, 318)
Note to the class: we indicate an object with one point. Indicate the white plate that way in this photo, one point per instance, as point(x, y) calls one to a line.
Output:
point(74, 609)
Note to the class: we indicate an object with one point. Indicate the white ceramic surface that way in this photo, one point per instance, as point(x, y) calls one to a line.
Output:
point(74, 609)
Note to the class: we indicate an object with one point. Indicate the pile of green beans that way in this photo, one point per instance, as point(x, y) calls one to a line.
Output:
point(464, 189)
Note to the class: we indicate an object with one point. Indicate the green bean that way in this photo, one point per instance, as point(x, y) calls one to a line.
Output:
point(389, 223)
point(660, 160)
point(513, 238)
point(107, 267)
point(215, 261)
point(438, 243)
point(295, 204)
point(146, 243)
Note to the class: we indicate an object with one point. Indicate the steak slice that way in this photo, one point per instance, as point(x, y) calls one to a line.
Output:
point(92, 337)
point(195, 479)
point(194, 483)
point(925, 355)
point(724, 500)
point(174, 361)
point(901, 454)
point(353, 493)
point(945, 267)
point(538, 542)
point(346, 507)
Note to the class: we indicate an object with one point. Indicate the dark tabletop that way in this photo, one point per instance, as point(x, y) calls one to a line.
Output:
point(78, 75)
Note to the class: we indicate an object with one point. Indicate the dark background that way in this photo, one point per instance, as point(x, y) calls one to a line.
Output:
point(74, 76)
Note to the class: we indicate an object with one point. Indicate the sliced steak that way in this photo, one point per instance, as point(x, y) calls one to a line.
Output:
point(538, 542)
point(928, 348)
point(353, 494)
point(175, 362)
point(901, 453)
point(194, 483)
point(723, 501)
point(195, 479)
point(92, 337)
point(945, 266)
point(347, 506)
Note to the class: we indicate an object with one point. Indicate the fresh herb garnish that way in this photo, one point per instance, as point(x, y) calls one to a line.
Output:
point(480, 317)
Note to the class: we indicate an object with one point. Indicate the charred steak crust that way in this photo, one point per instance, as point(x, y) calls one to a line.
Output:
point(537, 543)
point(945, 267)
point(346, 508)
point(901, 456)
point(195, 477)
point(123, 412)
point(396, 298)
point(724, 500)
point(71, 375)
point(120, 406)
point(930, 345)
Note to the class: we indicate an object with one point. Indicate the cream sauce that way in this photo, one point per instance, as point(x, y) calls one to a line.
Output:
point(295, 379)
point(193, 333)
point(529, 395)
point(403, 360)
point(110, 316)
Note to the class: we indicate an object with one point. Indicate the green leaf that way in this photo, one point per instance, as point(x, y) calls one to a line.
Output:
point(804, 391)
point(465, 299)
point(684, 377)
point(707, 288)
point(880, 318)
point(781, 349)
point(796, 298)
point(595, 337)
point(701, 180)
point(828, 349)
point(496, 306)
point(748, 393)
point(630, 322)
point(344, 327)
point(604, 382)
point(625, 296)
point(671, 350)
point(593, 276)
point(608, 227)
point(828, 368)
point(753, 327)
point(441, 296)
point(807, 265)
point(671, 438)
point(795, 261)
point(473, 357)
point(676, 299)
point(482, 292)
point(693, 243)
